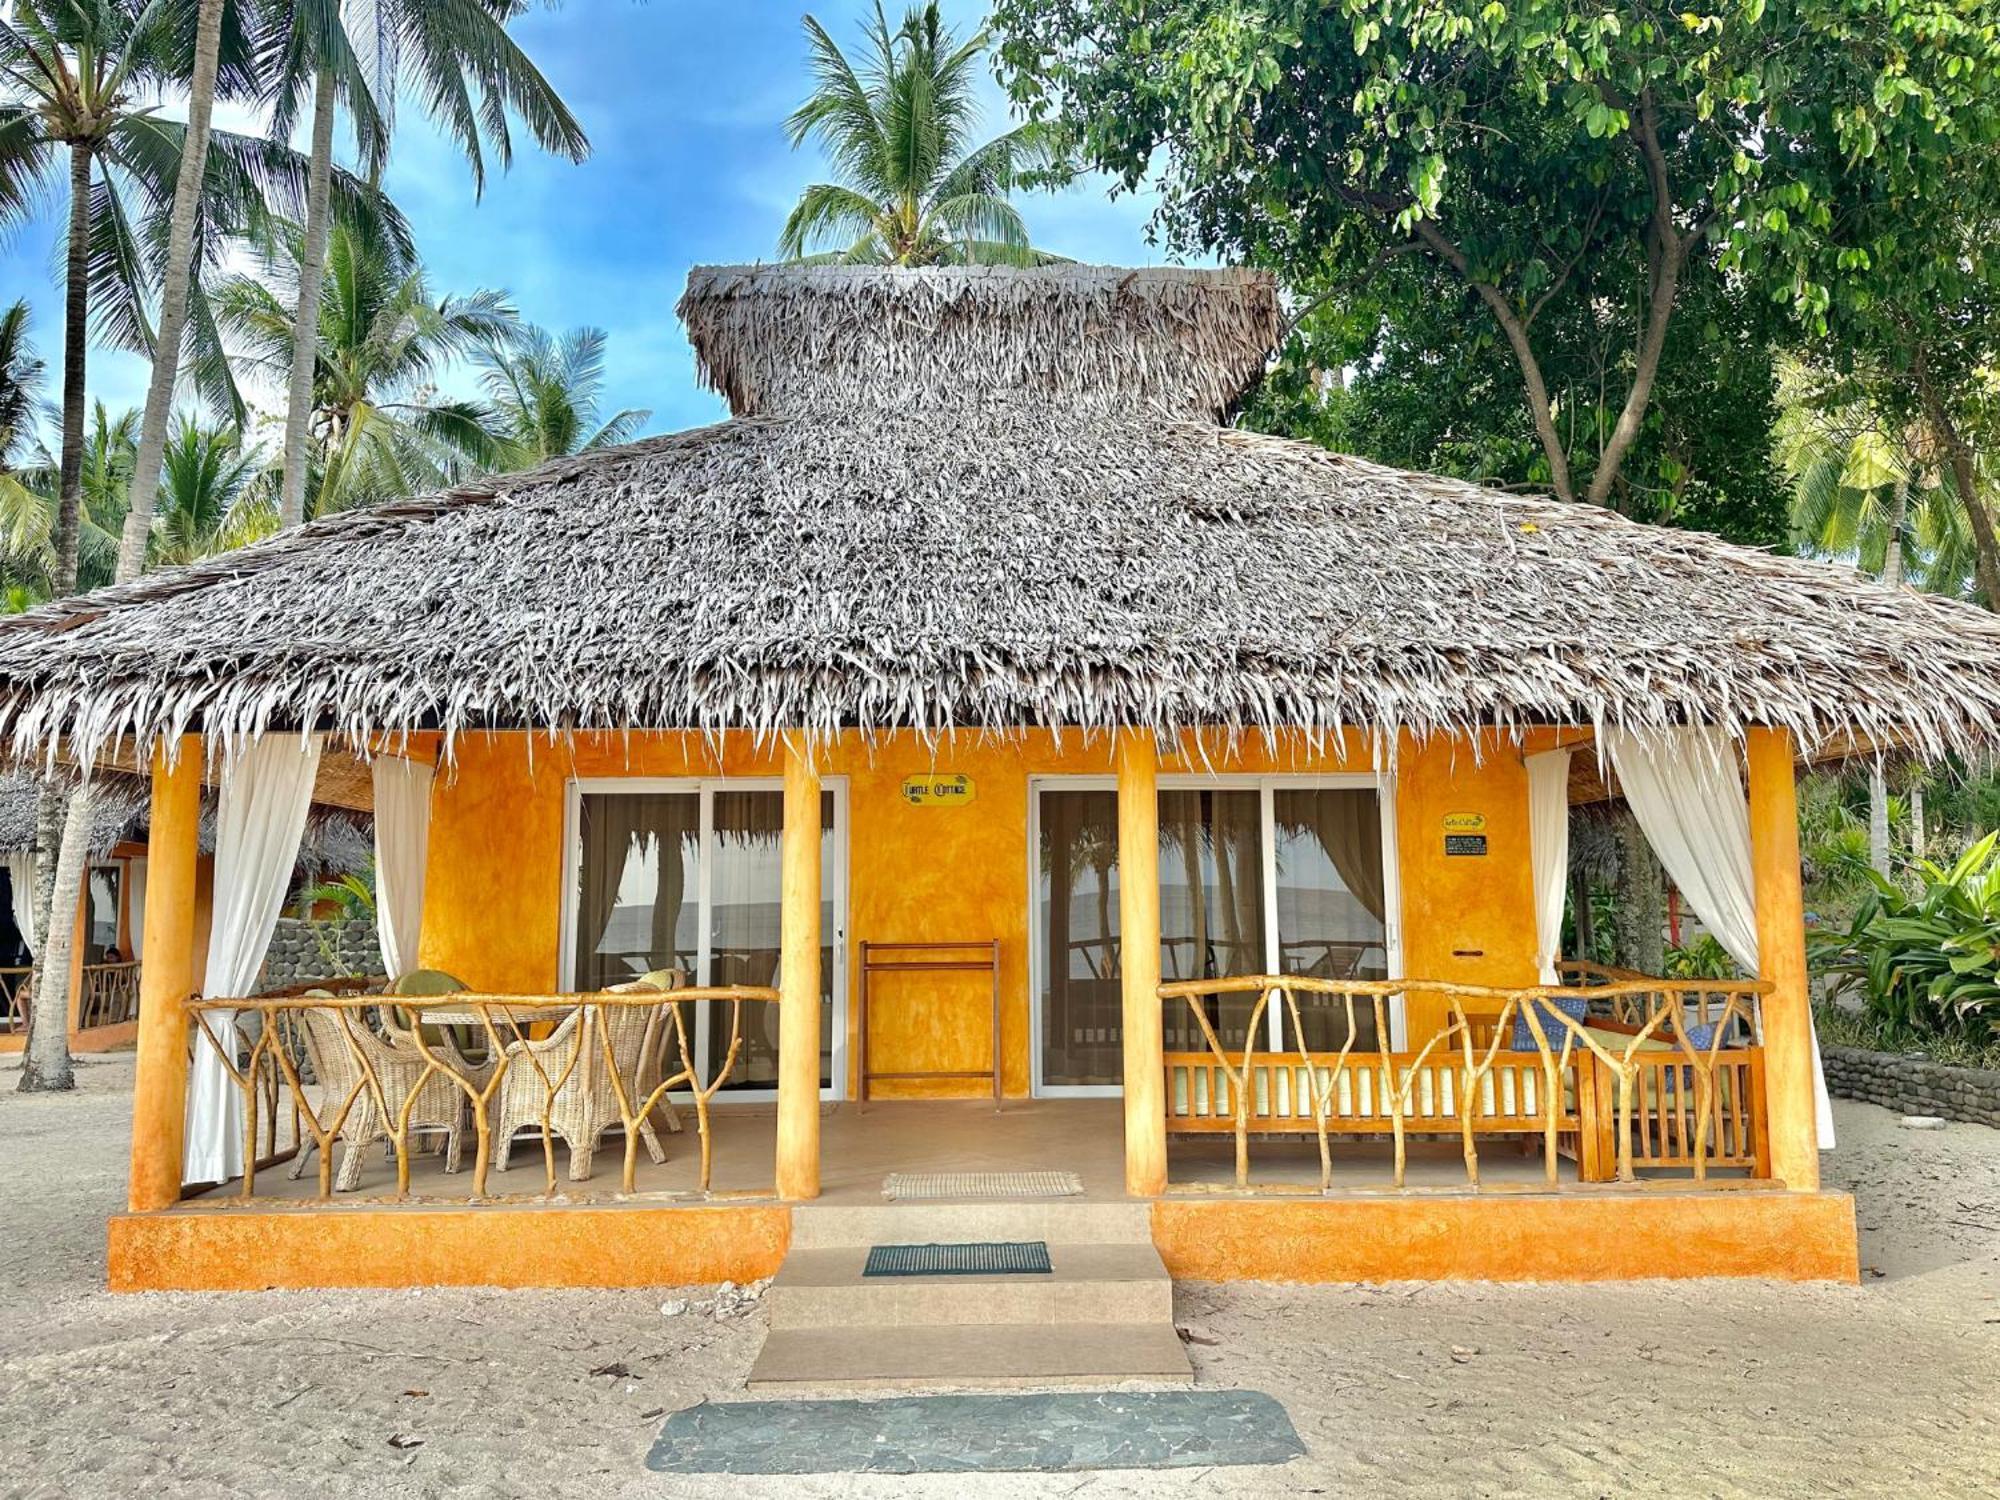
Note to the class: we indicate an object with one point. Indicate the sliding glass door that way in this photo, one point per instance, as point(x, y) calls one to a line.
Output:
point(685, 874)
point(1257, 875)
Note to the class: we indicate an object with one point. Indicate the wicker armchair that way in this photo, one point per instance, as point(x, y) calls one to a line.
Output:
point(443, 1041)
point(337, 1048)
point(585, 1104)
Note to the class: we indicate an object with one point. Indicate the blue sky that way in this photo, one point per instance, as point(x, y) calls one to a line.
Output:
point(684, 101)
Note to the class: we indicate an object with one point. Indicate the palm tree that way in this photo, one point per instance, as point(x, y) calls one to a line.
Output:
point(28, 537)
point(23, 406)
point(897, 131)
point(543, 394)
point(470, 75)
point(376, 429)
point(208, 501)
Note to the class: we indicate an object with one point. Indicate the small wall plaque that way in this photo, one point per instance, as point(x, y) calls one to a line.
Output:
point(941, 789)
point(1472, 844)
point(1465, 822)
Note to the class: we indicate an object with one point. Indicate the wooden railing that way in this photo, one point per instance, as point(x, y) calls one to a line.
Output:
point(360, 1068)
point(14, 987)
point(1620, 1088)
point(110, 995)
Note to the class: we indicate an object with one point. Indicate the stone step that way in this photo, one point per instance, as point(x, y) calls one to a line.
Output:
point(1072, 1221)
point(825, 1288)
point(989, 1356)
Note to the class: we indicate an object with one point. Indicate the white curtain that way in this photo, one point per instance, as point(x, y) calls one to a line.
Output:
point(402, 844)
point(1548, 853)
point(1686, 790)
point(21, 873)
point(135, 905)
point(266, 794)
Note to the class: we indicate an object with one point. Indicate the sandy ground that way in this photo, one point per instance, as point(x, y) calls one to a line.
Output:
point(1654, 1388)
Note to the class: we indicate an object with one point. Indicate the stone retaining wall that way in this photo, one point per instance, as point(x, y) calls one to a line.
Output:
point(1913, 1085)
point(298, 953)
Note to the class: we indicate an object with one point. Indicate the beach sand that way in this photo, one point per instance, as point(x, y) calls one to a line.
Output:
point(1647, 1388)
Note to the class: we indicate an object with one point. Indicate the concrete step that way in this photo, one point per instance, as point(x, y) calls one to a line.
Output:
point(976, 1357)
point(1115, 1283)
point(1073, 1221)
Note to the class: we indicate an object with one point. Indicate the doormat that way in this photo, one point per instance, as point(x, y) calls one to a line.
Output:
point(905, 1186)
point(1021, 1258)
point(1061, 1432)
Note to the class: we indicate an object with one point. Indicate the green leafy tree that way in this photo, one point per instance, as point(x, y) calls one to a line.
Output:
point(376, 426)
point(23, 408)
point(208, 500)
point(912, 189)
point(1525, 157)
point(472, 79)
point(544, 396)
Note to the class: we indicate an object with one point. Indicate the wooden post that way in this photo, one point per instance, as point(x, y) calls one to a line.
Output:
point(1139, 964)
point(166, 978)
point(1791, 1116)
point(798, 982)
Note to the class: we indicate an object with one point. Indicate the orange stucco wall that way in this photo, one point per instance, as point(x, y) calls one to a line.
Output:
point(1512, 1237)
point(494, 898)
point(225, 1250)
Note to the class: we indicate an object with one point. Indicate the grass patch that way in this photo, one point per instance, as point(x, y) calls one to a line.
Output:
point(1849, 1028)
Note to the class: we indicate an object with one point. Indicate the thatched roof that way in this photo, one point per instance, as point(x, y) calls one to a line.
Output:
point(991, 498)
point(336, 841)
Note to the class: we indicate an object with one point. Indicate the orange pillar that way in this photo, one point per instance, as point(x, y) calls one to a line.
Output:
point(166, 978)
point(798, 981)
point(1139, 964)
point(1781, 950)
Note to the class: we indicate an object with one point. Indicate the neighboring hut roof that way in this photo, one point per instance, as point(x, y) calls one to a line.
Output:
point(1033, 545)
point(336, 841)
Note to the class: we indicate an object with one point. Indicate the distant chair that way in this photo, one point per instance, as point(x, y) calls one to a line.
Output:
point(337, 1046)
point(585, 1103)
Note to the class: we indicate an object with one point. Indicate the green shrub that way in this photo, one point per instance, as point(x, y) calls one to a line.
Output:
point(1704, 958)
point(1926, 962)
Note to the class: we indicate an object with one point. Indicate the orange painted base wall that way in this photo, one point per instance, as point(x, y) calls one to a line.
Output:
point(223, 1250)
point(1512, 1237)
point(1495, 1237)
point(95, 1039)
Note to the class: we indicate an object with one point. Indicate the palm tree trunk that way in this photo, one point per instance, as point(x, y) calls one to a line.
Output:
point(305, 322)
point(76, 347)
point(1985, 536)
point(1919, 845)
point(174, 295)
point(45, 1065)
point(1878, 780)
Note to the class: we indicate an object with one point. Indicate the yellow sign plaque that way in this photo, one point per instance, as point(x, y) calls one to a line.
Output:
point(940, 789)
point(1465, 822)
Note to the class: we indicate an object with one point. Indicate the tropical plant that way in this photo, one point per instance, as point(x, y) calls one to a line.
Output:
point(1704, 958)
point(378, 429)
point(543, 396)
point(470, 75)
point(207, 495)
point(1927, 963)
point(28, 542)
point(23, 408)
point(912, 190)
point(78, 81)
point(351, 898)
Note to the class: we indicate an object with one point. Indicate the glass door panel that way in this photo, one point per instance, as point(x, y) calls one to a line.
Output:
point(1082, 1040)
point(636, 886)
point(1212, 902)
point(744, 886)
point(1331, 901)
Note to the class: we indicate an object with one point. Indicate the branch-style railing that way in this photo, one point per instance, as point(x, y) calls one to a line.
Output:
point(110, 995)
point(14, 1000)
point(358, 1067)
point(1623, 1084)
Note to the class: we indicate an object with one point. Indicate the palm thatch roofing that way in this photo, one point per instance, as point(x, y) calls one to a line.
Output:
point(990, 498)
point(336, 842)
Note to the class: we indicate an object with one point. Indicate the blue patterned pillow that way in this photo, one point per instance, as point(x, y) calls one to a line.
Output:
point(1577, 1010)
point(1701, 1036)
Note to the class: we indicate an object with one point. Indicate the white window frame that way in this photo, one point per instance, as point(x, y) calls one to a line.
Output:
point(1267, 786)
point(705, 787)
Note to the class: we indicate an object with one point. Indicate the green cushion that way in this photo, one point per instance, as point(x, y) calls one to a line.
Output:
point(428, 982)
point(661, 979)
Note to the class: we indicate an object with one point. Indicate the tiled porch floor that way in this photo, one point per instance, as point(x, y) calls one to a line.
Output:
point(861, 1144)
